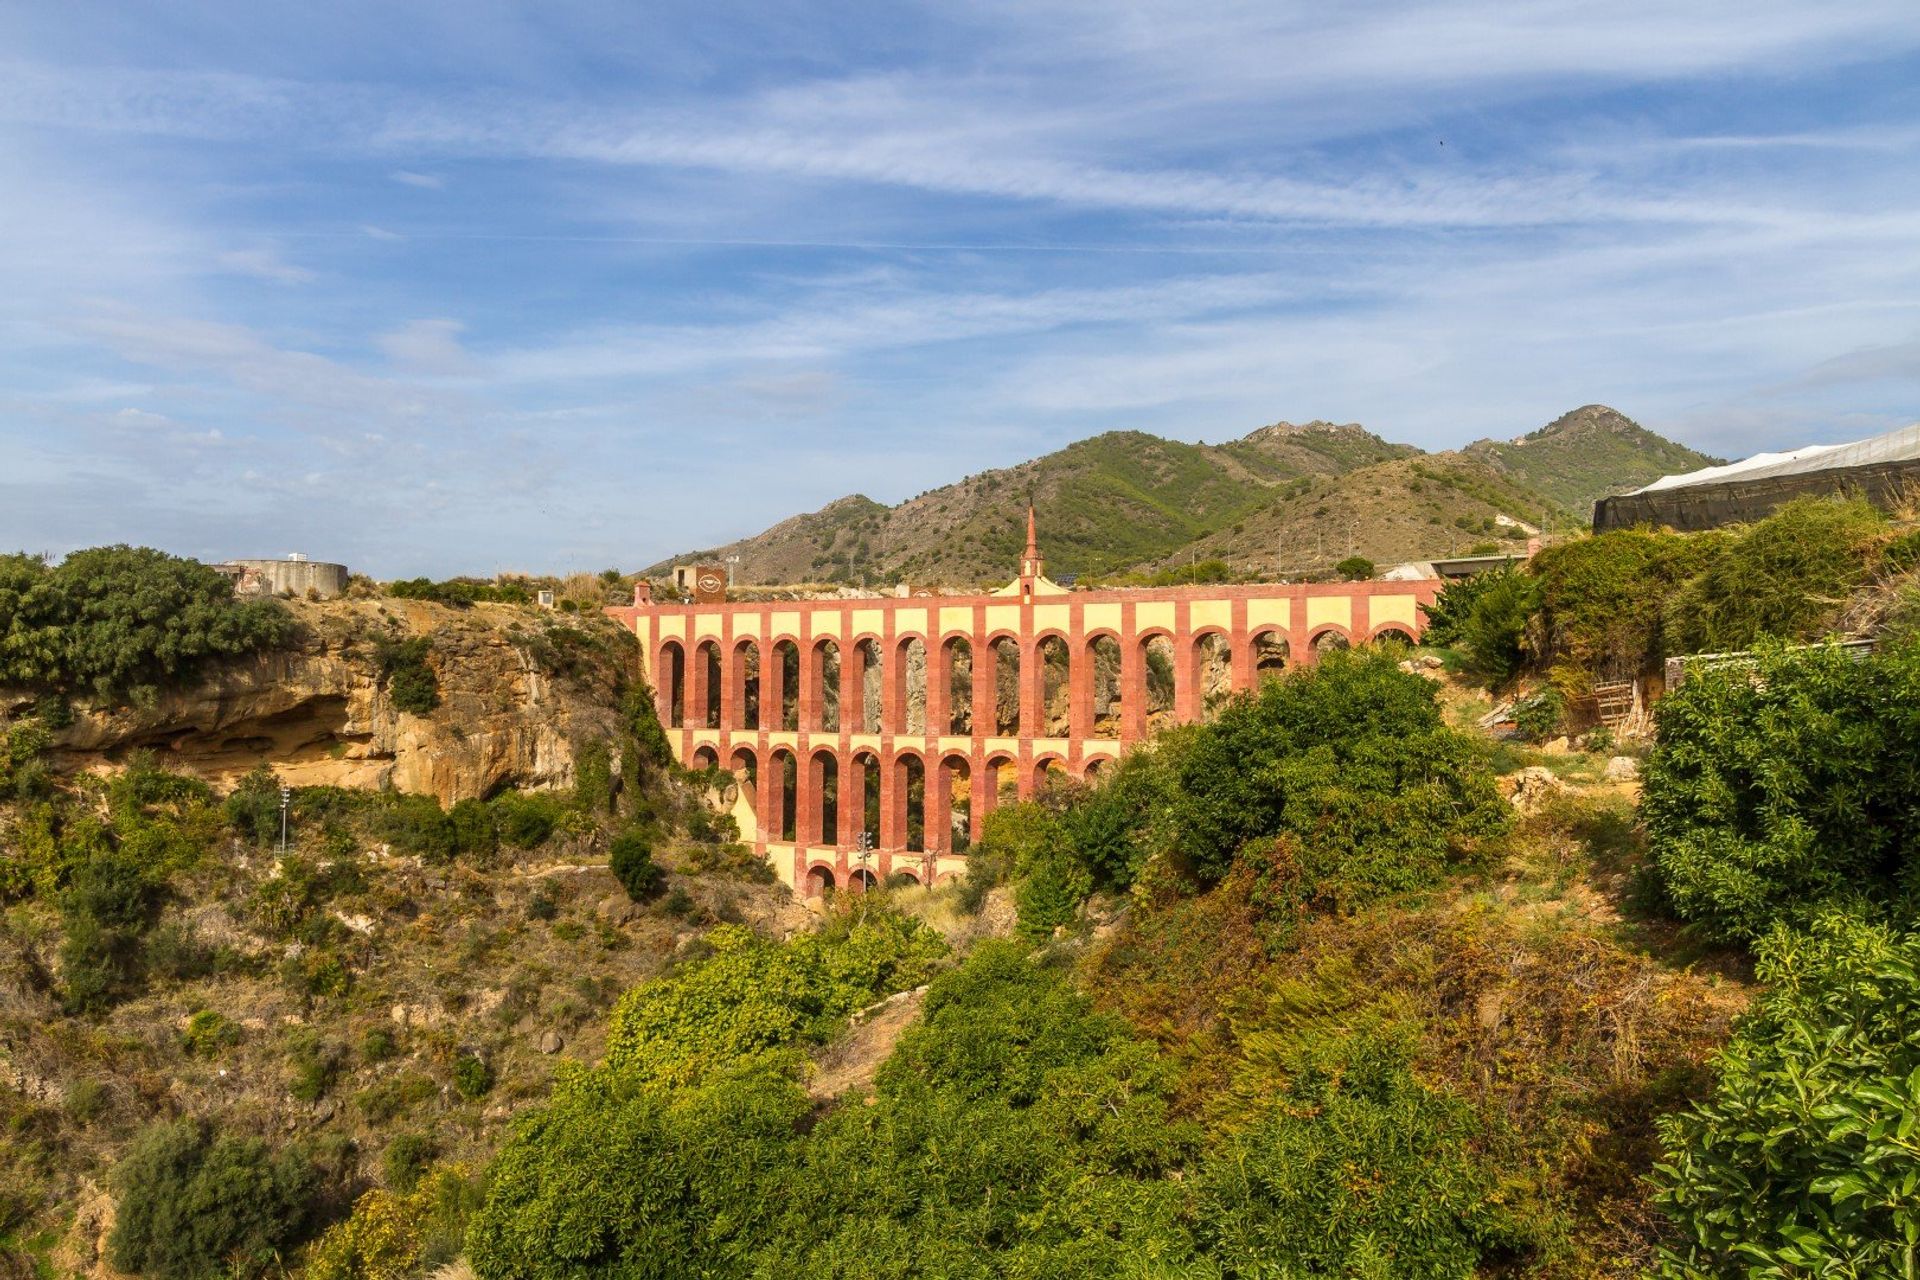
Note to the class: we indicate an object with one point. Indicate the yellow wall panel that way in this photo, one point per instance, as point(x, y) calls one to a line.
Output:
point(673, 626)
point(1399, 609)
point(1322, 610)
point(956, 620)
point(1154, 614)
point(1210, 613)
point(1101, 617)
point(869, 620)
point(1048, 617)
point(785, 623)
point(1003, 617)
point(910, 620)
point(1274, 611)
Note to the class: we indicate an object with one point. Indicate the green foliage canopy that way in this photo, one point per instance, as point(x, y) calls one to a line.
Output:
point(196, 1204)
point(120, 622)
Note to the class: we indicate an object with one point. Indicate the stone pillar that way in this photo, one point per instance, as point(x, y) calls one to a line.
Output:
point(893, 689)
point(773, 688)
point(853, 689)
point(853, 801)
point(939, 688)
point(807, 704)
point(986, 667)
point(806, 800)
point(770, 798)
point(1360, 616)
point(893, 803)
point(1080, 679)
point(1186, 669)
point(938, 816)
point(1133, 681)
point(986, 791)
point(732, 687)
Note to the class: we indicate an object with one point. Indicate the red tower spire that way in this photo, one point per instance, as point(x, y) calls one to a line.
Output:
point(1031, 565)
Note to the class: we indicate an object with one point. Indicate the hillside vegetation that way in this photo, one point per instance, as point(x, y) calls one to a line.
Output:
point(1282, 498)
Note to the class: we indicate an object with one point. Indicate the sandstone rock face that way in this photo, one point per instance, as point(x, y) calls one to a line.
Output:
point(514, 704)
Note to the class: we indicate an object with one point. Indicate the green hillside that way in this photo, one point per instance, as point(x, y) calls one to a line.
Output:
point(1587, 454)
point(1277, 498)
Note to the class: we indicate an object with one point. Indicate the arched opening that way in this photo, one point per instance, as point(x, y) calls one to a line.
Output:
point(823, 782)
point(746, 807)
point(706, 683)
point(705, 758)
point(910, 790)
point(1006, 687)
point(826, 693)
point(819, 881)
point(746, 685)
point(1213, 656)
point(1329, 641)
point(1270, 654)
point(902, 879)
point(1049, 772)
point(784, 679)
point(1001, 785)
point(673, 683)
point(1056, 684)
point(957, 782)
point(959, 651)
point(866, 657)
point(1397, 638)
point(1108, 695)
point(909, 678)
point(859, 880)
point(1096, 768)
point(863, 797)
point(780, 823)
point(1156, 653)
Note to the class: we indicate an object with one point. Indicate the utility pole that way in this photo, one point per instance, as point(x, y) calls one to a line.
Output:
point(286, 795)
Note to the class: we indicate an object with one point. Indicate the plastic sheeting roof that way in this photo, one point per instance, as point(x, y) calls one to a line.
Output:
point(1902, 445)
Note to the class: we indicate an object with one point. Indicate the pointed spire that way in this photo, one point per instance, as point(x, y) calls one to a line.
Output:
point(1031, 565)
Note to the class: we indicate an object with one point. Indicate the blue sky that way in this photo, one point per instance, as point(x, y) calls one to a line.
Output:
point(477, 286)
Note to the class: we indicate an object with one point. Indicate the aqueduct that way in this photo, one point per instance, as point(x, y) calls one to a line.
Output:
point(871, 736)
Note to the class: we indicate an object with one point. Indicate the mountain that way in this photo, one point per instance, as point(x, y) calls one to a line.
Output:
point(1587, 454)
point(1284, 497)
point(1111, 502)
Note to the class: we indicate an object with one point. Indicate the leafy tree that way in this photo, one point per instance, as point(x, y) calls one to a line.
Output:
point(120, 622)
point(631, 860)
point(1803, 1162)
point(1493, 635)
point(196, 1204)
point(1355, 569)
point(1602, 599)
point(1782, 784)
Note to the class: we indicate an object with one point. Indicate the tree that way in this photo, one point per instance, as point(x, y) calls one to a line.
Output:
point(1355, 569)
point(1803, 1161)
point(195, 1204)
point(631, 860)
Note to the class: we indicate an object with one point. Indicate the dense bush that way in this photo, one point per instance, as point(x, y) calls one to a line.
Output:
point(527, 819)
point(119, 622)
point(1492, 636)
point(750, 1000)
point(1602, 599)
point(1348, 758)
point(1782, 784)
point(1355, 569)
point(1803, 1162)
point(406, 674)
point(631, 860)
point(195, 1204)
point(1786, 576)
point(460, 592)
point(395, 1233)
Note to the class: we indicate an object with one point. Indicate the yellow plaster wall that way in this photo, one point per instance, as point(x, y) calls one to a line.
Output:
point(1399, 609)
point(1210, 613)
point(956, 620)
point(785, 623)
point(1157, 613)
point(1003, 617)
point(910, 620)
point(673, 627)
point(1322, 610)
point(872, 620)
point(1274, 612)
point(1048, 617)
point(1101, 617)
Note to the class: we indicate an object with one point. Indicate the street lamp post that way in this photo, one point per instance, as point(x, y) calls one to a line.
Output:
point(286, 795)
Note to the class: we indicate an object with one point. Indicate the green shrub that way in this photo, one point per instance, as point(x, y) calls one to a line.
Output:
point(1602, 599)
point(1538, 717)
point(1787, 577)
point(1356, 1170)
point(474, 836)
point(406, 1158)
point(313, 1065)
point(406, 673)
point(415, 824)
point(472, 1075)
point(1492, 636)
point(208, 1032)
point(1355, 569)
point(1802, 1162)
point(750, 1000)
point(1779, 785)
point(119, 622)
point(378, 1045)
point(526, 820)
point(631, 859)
point(593, 778)
point(192, 1204)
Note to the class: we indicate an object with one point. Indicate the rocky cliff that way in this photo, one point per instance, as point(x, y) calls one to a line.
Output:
point(519, 688)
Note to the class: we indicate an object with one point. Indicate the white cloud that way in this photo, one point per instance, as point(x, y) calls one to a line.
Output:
point(426, 181)
point(266, 264)
point(427, 346)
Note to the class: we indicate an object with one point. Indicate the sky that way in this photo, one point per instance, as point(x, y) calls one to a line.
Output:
point(477, 287)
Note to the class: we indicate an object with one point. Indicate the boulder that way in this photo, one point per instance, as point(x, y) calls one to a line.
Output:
point(1622, 769)
point(1533, 787)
